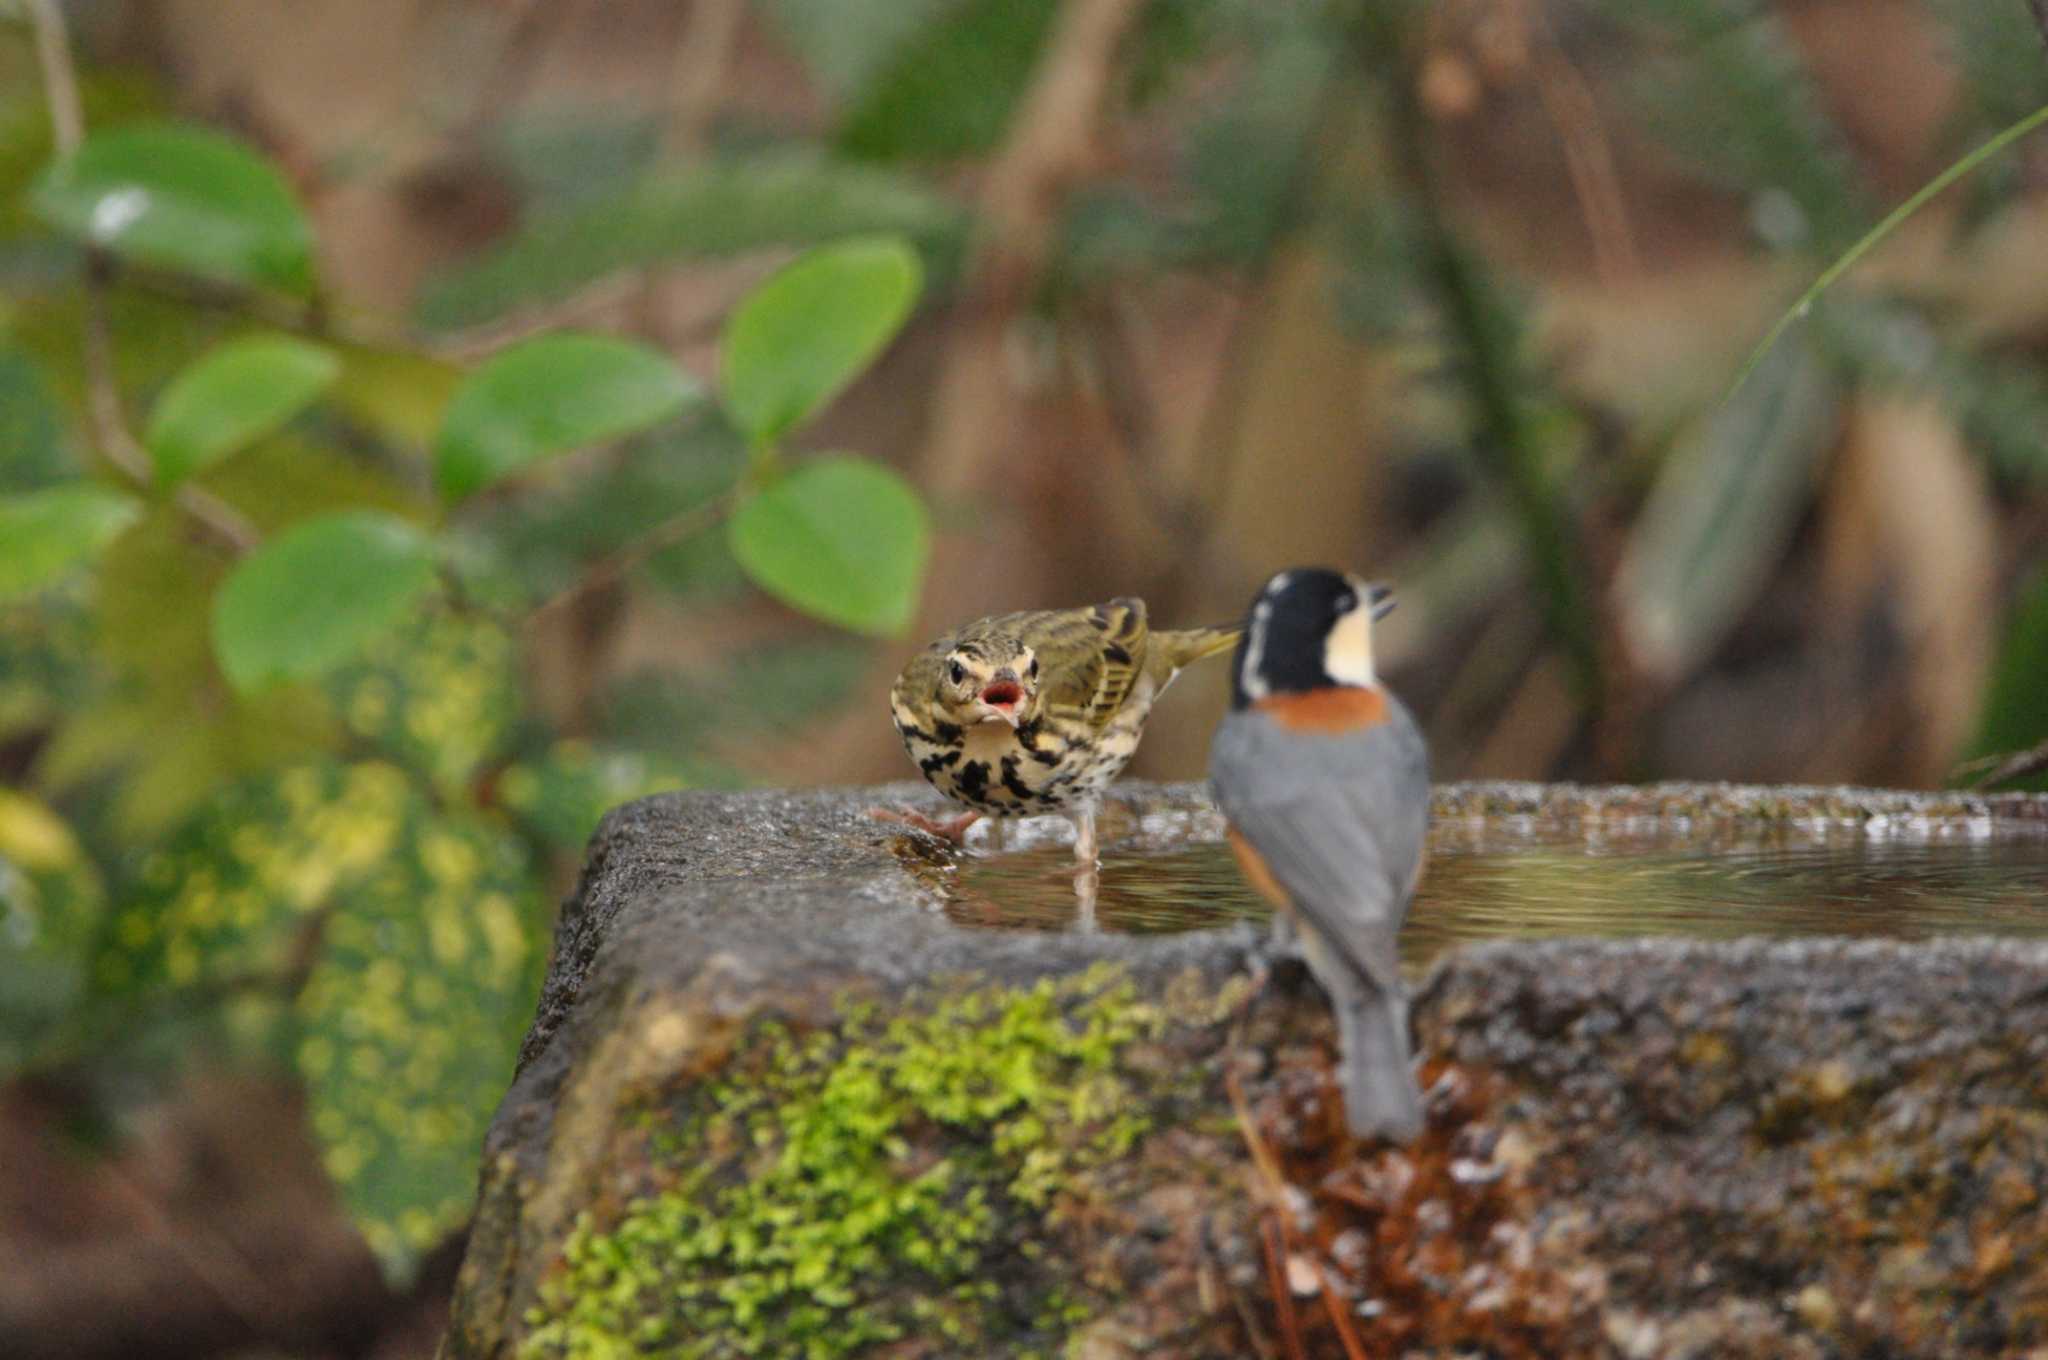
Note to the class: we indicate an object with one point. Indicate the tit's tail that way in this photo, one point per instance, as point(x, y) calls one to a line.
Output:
point(1184, 646)
point(1380, 1096)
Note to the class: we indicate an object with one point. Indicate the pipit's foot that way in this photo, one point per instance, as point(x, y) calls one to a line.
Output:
point(952, 829)
point(1087, 884)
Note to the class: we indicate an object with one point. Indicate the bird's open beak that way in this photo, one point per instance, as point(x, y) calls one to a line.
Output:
point(1381, 598)
point(1003, 695)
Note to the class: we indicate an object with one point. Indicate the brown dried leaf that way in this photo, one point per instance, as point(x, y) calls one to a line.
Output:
point(1910, 526)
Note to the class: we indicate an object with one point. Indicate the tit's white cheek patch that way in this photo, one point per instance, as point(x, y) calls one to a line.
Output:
point(1347, 651)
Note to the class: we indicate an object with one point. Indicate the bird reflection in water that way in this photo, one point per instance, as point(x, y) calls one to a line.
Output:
point(1491, 885)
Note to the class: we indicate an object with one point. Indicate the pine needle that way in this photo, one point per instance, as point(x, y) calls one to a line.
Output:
point(1871, 238)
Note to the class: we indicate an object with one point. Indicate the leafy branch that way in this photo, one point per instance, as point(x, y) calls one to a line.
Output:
point(307, 621)
point(116, 441)
point(615, 565)
point(842, 539)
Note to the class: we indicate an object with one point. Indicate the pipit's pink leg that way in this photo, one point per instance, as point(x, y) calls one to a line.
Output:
point(1087, 885)
point(1084, 838)
point(953, 829)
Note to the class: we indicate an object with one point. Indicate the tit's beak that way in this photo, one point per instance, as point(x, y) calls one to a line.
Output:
point(1004, 695)
point(1381, 599)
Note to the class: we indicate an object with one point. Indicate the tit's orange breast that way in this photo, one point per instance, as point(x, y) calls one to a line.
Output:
point(1339, 708)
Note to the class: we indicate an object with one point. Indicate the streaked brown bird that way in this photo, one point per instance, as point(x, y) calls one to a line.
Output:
point(1324, 779)
point(1038, 711)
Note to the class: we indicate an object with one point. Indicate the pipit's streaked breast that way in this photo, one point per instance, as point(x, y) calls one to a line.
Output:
point(1038, 711)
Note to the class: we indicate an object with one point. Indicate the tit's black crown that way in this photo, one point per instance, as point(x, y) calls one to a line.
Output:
point(1281, 651)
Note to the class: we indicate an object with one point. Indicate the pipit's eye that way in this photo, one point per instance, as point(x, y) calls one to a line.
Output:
point(956, 672)
point(1032, 669)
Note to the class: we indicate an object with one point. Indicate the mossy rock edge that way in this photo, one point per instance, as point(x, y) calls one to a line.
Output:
point(775, 1104)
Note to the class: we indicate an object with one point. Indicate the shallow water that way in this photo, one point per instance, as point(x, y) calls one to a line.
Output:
point(1532, 883)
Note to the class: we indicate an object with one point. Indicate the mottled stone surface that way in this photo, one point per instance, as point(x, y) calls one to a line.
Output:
point(1787, 1148)
point(1657, 1148)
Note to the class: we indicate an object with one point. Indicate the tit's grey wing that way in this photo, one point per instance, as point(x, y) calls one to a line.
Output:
point(1339, 818)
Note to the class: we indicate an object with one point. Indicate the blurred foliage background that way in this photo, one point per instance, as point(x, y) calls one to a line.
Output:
point(415, 437)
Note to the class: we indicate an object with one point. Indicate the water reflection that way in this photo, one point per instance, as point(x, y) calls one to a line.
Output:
point(1487, 884)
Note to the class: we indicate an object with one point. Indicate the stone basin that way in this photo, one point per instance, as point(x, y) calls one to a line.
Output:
point(777, 1100)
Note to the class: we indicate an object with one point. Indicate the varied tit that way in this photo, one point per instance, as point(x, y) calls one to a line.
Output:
point(1324, 779)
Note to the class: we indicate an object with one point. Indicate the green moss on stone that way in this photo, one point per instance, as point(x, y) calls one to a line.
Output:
point(856, 1185)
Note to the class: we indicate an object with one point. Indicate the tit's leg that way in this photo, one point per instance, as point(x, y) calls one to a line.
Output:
point(952, 829)
point(1284, 943)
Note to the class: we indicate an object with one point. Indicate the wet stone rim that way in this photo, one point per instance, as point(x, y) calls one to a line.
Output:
point(1904, 813)
point(801, 841)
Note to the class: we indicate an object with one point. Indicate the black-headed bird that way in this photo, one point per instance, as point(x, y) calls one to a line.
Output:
point(1038, 711)
point(1324, 779)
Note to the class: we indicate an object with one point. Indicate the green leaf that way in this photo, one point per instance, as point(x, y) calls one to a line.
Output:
point(410, 1023)
point(1998, 48)
point(182, 198)
point(842, 539)
point(47, 531)
point(950, 89)
point(808, 331)
point(224, 893)
point(843, 46)
point(50, 664)
point(399, 395)
point(1723, 508)
point(770, 200)
point(2013, 717)
point(233, 397)
point(296, 474)
point(563, 154)
point(760, 690)
point(316, 596)
point(562, 794)
point(548, 396)
point(519, 550)
point(440, 694)
point(407, 1024)
point(51, 900)
point(1728, 86)
point(33, 449)
point(1245, 157)
point(135, 727)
